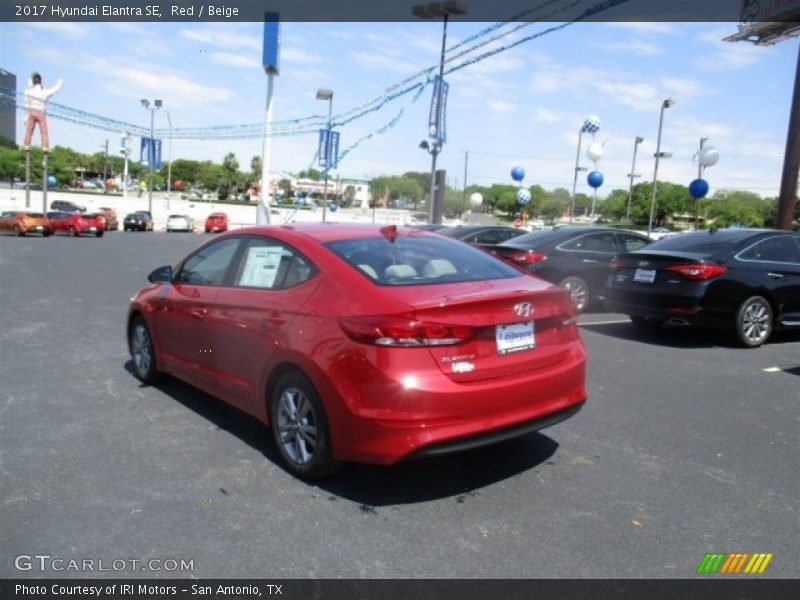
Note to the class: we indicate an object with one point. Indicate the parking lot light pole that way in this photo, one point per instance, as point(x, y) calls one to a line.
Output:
point(632, 175)
point(427, 11)
point(169, 164)
point(323, 94)
point(151, 153)
point(659, 155)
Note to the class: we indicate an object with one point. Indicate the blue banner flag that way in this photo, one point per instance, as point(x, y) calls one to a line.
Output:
point(436, 120)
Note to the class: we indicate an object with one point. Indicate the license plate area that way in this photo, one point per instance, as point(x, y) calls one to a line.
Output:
point(514, 337)
point(644, 275)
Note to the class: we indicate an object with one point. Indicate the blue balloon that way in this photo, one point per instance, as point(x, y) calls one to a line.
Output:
point(517, 173)
point(595, 179)
point(51, 181)
point(333, 207)
point(698, 188)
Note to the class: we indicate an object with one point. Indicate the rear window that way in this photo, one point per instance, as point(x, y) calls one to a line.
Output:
point(701, 242)
point(34, 215)
point(419, 260)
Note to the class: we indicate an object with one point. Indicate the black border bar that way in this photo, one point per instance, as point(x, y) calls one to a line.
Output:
point(707, 587)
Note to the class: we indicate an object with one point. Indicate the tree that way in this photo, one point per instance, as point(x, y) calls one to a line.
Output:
point(255, 167)
point(230, 165)
point(312, 174)
point(11, 164)
point(741, 208)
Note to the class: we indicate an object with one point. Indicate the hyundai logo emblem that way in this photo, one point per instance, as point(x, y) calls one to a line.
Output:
point(644, 263)
point(523, 309)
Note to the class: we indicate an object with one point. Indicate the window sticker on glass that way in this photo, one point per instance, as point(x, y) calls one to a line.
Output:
point(261, 266)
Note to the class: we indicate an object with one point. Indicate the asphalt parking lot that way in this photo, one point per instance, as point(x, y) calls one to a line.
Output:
point(686, 445)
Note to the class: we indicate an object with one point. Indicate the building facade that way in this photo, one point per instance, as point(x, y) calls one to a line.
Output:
point(8, 105)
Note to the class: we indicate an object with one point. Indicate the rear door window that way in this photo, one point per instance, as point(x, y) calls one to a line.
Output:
point(775, 249)
point(269, 264)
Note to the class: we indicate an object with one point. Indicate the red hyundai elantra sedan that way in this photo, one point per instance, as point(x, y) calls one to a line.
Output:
point(360, 343)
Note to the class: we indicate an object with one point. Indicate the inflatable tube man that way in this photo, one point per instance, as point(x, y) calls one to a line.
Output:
point(36, 98)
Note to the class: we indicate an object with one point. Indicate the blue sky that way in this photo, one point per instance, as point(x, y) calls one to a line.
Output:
point(523, 106)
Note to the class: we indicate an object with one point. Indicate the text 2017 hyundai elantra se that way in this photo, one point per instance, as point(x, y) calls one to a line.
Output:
point(746, 281)
point(359, 343)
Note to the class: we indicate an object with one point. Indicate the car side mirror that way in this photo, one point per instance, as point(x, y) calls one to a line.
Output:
point(161, 275)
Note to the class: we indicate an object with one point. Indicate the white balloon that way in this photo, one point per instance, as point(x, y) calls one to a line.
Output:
point(594, 151)
point(476, 199)
point(708, 156)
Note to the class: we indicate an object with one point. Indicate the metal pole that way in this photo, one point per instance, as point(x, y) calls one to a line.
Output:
point(464, 198)
point(262, 214)
point(44, 182)
point(787, 201)
point(632, 176)
point(436, 146)
point(28, 178)
point(327, 160)
point(152, 155)
point(700, 169)
point(655, 171)
point(575, 181)
point(169, 164)
point(105, 167)
point(125, 171)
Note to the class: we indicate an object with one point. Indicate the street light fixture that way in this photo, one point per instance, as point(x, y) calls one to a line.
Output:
point(428, 11)
point(151, 154)
point(632, 175)
point(658, 155)
point(325, 94)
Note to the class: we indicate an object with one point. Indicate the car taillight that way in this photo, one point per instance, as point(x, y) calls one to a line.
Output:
point(403, 331)
point(526, 257)
point(616, 264)
point(698, 272)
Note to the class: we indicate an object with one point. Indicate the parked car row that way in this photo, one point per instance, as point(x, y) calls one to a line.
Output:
point(744, 281)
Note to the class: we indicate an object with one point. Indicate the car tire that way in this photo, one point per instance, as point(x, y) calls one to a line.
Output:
point(72, 232)
point(99, 233)
point(647, 323)
point(578, 290)
point(140, 345)
point(47, 233)
point(17, 231)
point(300, 428)
point(754, 321)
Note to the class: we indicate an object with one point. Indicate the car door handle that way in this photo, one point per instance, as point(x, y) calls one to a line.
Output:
point(775, 275)
point(199, 313)
point(589, 261)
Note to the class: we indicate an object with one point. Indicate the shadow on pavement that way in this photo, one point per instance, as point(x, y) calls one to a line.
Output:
point(677, 336)
point(458, 475)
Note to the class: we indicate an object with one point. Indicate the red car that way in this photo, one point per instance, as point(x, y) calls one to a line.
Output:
point(359, 343)
point(75, 224)
point(217, 222)
point(22, 223)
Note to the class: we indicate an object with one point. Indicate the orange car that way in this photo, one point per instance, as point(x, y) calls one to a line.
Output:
point(112, 222)
point(20, 223)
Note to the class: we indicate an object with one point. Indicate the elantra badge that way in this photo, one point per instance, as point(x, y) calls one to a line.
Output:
point(523, 309)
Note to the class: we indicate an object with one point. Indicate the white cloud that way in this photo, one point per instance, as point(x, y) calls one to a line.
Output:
point(229, 37)
point(69, 30)
point(635, 46)
point(293, 54)
point(501, 107)
point(244, 61)
point(646, 28)
point(544, 115)
point(724, 55)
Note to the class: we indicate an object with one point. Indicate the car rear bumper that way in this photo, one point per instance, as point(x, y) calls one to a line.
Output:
point(436, 415)
point(674, 309)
